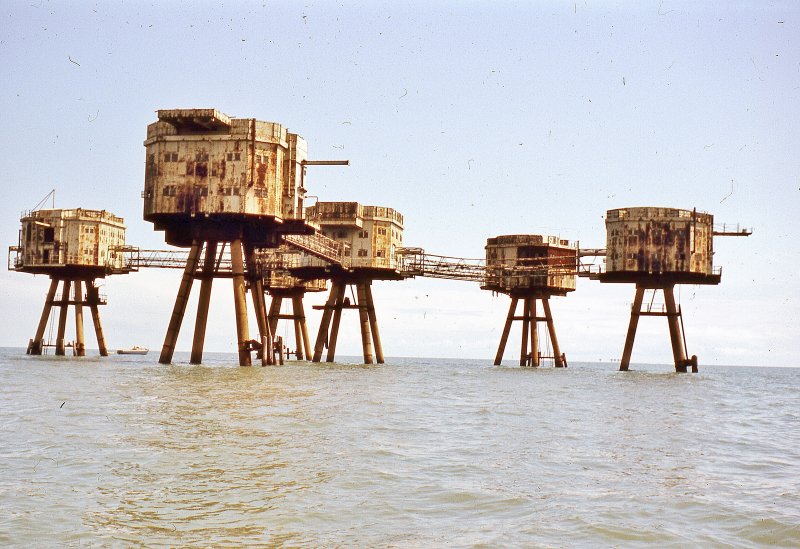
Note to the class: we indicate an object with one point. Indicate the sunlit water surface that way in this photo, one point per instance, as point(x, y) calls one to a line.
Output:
point(124, 452)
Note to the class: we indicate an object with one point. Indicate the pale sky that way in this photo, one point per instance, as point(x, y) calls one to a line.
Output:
point(473, 119)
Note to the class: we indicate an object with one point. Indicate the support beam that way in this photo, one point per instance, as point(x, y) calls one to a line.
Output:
point(274, 313)
point(35, 347)
point(337, 317)
point(80, 345)
point(93, 299)
point(268, 350)
point(363, 317)
point(628, 350)
point(675, 333)
point(185, 288)
point(560, 362)
point(324, 325)
point(240, 303)
point(62, 318)
point(298, 321)
point(373, 322)
point(534, 333)
point(256, 279)
point(498, 359)
point(526, 318)
point(203, 302)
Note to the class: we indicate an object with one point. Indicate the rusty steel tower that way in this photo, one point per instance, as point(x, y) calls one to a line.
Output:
point(530, 269)
point(656, 249)
point(213, 181)
point(74, 247)
point(280, 285)
point(367, 238)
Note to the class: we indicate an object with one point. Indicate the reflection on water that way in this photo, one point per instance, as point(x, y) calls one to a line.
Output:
point(414, 453)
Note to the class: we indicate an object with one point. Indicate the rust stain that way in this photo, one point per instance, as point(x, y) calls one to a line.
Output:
point(261, 174)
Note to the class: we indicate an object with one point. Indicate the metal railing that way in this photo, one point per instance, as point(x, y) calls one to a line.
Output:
point(320, 246)
point(727, 229)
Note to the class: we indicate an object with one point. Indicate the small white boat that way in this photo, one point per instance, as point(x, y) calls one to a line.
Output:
point(135, 350)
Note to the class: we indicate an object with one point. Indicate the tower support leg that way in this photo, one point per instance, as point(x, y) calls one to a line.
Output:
point(257, 291)
point(534, 333)
point(526, 319)
point(185, 288)
point(80, 346)
point(62, 318)
point(363, 317)
point(274, 313)
point(498, 359)
point(675, 332)
point(202, 303)
point(560, 361)
point(373, 323)
point(325, 322)
point(240, 303)
point(636, 309)
point(297, 321)
point(35, 346)
point(260, 306)
point(93, 299)
point(337, 317)
point(303, 343)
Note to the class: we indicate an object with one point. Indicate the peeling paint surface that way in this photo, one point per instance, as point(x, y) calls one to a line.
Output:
point(530, 262)
point(659, 240)
point(373, 233)
point(70, 238)
point(200, 162)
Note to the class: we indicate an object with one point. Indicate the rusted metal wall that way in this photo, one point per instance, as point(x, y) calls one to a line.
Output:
point(74, 237)
point(659, 240)
point(336, 213)
point(200, 161)
point(518, 262)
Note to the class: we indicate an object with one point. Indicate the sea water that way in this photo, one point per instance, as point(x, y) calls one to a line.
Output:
point(122, 451)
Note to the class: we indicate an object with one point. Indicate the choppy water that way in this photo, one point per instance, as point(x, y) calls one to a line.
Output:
point(415, 453)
